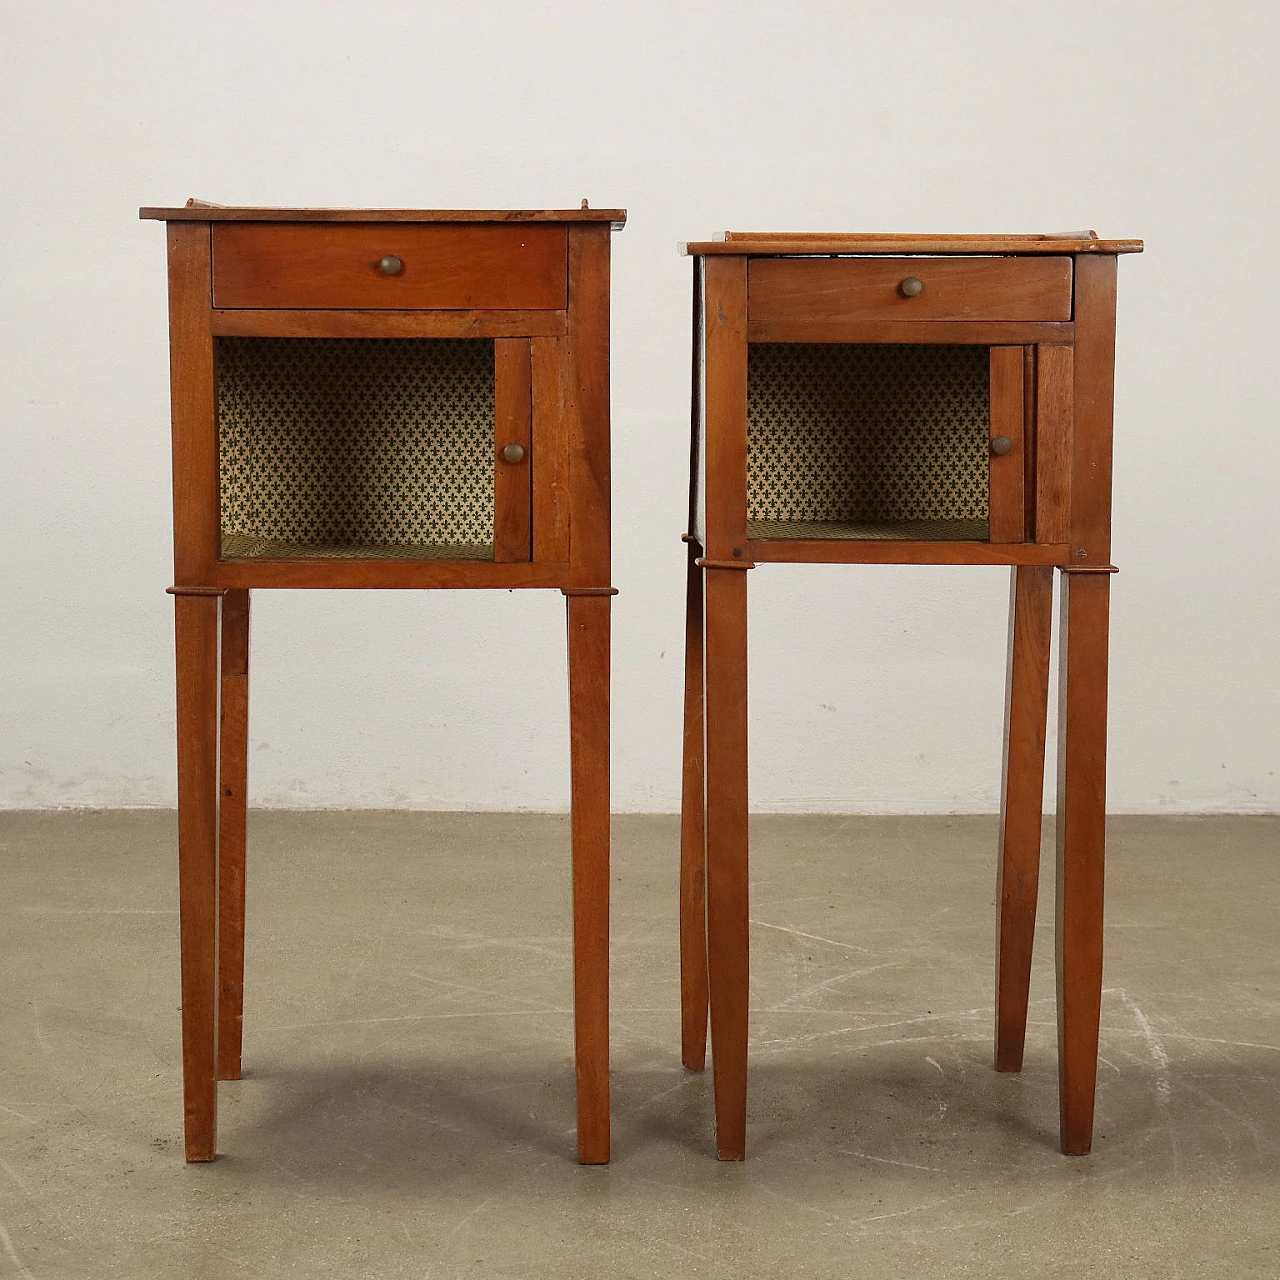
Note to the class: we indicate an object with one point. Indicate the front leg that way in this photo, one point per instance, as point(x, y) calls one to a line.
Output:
point(1082, 808)
point(726, 824)
point(196, 617)
point(588, 617)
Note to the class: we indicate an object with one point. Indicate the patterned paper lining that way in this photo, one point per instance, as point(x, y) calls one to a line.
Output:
point(874, 441)
point(356, 446)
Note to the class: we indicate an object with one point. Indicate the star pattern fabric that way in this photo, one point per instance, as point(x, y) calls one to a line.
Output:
point(867, 441)
point(356, 446)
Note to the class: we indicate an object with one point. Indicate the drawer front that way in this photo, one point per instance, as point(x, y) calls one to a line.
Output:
point(799, 289)
point(410, 266)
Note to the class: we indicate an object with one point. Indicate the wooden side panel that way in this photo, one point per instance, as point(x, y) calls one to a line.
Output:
point(1006, 508)
point(551, 450)
point(195, 407)
point(1054, 378)
point(844, 289)
point(512, 486)
point(1094, 389)
point(725, 407)
point(587, 399)
point(447, 266)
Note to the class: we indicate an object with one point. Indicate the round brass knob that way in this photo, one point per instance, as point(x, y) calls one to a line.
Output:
point(390, 265)
point(911, 287)
point(1001, 445)
point(513, 453)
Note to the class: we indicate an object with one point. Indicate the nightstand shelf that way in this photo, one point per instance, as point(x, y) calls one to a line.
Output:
point(353, 447)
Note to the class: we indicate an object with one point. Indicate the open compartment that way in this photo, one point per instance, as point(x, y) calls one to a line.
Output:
point(356, 448)
point(875, 441)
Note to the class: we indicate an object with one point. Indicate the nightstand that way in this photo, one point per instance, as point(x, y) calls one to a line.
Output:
point(897, 400)
point(372, 398)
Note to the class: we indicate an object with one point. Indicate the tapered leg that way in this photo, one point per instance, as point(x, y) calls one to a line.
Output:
point(726, 823)
point(693, 850)
point(232, 799)
point(197, 655)
point(589, 752)
point(1022, 803)
point(1082, 751)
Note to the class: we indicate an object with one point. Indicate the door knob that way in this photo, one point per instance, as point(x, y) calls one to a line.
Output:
point(513, 453)
point(1001, 445)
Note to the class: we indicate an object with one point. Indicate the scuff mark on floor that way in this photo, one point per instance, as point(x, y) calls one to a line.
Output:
point(813, 937)
point(904, 1164)
point(12, 1254)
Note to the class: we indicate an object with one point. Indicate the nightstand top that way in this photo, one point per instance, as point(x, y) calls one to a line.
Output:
point(809, 243)
point(202, 211)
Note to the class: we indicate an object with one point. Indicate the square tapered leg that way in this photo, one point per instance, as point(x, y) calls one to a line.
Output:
point(233, 749)
point(197, 667)
point(588, 617)
point(1082, 761)
point(726, 823)
point(693, 848)
point(1022, 804)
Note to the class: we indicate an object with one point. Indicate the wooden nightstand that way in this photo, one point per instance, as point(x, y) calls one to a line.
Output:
point(380, 398)
point(866, 399)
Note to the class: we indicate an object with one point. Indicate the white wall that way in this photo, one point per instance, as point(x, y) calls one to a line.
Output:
point(873, 688)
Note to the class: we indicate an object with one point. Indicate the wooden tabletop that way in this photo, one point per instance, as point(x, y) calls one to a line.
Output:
point(202, 211)
point(759, 243)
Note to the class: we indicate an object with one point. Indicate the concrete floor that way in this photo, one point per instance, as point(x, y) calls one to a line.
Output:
point(407, 1109)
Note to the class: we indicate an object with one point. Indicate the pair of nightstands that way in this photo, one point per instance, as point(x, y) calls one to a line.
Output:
point(420, 399)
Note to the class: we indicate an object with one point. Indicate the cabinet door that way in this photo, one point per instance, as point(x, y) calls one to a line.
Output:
point(1007, 466)
point(513, 451)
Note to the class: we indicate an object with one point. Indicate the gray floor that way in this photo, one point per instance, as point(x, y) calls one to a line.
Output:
point(408, 1109)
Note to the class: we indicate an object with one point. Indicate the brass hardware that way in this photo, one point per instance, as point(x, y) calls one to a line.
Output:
point(513, 453)
point(390, 265)
point(1000, 445)
point(912, 287)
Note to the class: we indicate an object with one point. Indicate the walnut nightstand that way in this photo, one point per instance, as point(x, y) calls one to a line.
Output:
point(898, 400)
point(378, 398)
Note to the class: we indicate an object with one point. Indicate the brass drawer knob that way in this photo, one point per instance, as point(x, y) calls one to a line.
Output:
point(1000, 445)
point(513, 453)
point(390, 265)
point(911, 287)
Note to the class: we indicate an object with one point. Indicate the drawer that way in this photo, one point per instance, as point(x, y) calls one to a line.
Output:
point(800, 289)
point(414, 266)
